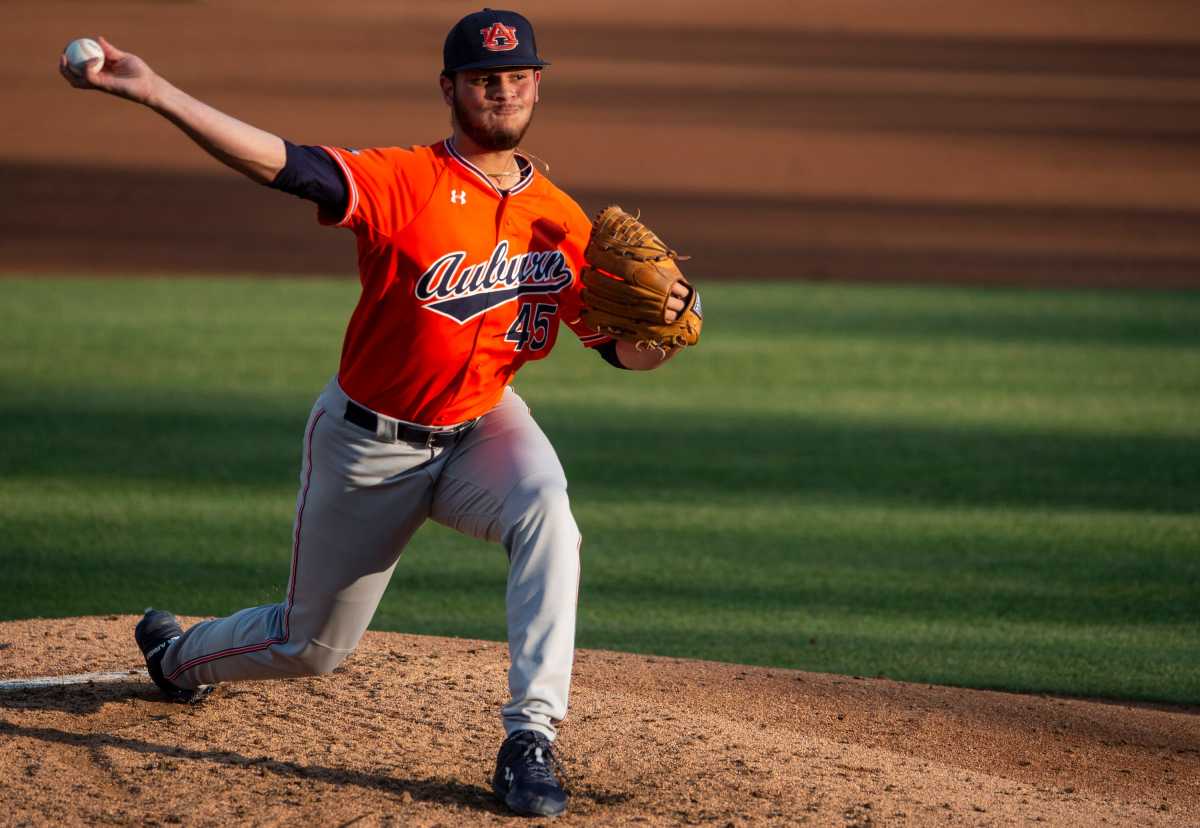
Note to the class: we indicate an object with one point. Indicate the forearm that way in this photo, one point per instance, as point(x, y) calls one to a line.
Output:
point(249, 150)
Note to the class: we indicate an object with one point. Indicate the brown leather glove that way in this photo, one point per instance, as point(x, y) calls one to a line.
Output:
point(627, 284)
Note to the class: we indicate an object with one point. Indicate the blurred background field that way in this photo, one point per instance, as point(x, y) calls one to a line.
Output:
point(977, 486)
point(1041, 142)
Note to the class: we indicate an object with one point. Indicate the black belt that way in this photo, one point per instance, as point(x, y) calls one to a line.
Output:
point(400, 432)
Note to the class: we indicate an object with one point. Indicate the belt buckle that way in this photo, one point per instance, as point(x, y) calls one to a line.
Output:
point(429, 437)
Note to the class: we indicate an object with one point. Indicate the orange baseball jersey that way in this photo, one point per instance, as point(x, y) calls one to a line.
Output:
point(462, 283)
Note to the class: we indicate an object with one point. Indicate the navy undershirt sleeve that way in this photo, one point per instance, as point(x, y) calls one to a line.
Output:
point(311, 174)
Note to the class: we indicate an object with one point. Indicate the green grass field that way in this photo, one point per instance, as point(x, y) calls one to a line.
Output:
point(982, 487)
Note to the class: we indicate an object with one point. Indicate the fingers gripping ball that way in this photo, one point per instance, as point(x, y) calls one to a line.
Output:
point(81, 52)
point(627, 285)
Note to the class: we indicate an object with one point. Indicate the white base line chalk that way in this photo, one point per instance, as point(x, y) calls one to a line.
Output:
point(8, 685)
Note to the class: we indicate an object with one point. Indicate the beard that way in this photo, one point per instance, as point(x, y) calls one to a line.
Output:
point(492, 138)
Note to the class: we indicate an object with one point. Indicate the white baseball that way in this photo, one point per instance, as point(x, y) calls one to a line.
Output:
point(81, 52)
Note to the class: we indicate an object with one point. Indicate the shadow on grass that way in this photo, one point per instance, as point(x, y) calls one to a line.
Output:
point(801, 456)
point(1014, 664)
point(752, 580)
point(987, 467)
point(1010, 315)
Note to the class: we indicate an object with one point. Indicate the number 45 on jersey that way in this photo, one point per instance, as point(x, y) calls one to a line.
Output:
point(531, 329)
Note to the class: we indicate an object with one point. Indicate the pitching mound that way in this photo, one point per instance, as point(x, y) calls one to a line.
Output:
point(406, 733)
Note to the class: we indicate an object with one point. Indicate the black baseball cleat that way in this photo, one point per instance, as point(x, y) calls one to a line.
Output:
point(154, 633)
point(526, 778)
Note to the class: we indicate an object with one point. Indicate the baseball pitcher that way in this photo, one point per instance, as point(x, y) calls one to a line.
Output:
point(470, 261)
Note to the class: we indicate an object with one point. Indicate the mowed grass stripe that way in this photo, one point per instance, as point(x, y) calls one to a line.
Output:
point(983, 487)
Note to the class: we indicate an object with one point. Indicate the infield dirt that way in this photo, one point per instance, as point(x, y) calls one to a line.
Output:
point(405, 733)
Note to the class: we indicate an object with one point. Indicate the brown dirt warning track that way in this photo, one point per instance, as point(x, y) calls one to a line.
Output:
point(405, 733)
point(1037, 142)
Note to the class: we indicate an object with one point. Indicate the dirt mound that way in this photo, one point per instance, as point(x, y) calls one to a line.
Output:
point(406, 732)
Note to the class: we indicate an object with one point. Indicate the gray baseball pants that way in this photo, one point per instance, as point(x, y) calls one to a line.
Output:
point(361, 498)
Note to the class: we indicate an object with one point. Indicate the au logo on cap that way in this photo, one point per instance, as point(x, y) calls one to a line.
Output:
point(499, 38)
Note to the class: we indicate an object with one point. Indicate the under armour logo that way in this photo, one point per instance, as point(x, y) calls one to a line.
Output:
point(458, 196)
point(499, 38)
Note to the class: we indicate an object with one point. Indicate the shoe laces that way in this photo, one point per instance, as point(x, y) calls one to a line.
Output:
point(540, 760)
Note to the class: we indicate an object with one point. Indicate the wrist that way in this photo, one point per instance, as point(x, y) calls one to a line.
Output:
point(642, 359)
point(158, 95)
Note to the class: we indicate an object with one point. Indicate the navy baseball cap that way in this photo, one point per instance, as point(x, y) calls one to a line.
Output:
point(490, 39)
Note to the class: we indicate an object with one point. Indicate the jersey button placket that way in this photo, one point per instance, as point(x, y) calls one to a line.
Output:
point(503, 222)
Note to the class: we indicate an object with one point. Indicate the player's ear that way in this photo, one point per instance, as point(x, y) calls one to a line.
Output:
point(447, 84)
point(537, 83)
